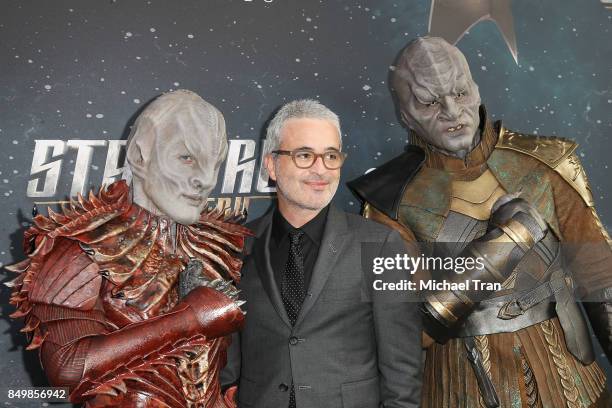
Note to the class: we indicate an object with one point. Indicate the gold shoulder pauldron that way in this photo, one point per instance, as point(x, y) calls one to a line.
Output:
point(555, 152)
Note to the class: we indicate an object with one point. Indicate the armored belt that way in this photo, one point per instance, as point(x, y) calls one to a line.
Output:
point(517, 311)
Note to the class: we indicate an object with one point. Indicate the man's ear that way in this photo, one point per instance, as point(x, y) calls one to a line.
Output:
point(137, 159)
point(269, 164)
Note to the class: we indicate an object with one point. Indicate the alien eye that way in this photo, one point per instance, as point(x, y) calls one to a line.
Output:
point(187, 158)
point(460, 94)
point(433, 103)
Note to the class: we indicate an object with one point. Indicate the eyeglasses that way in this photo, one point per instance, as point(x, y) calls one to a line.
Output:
point(304, 159)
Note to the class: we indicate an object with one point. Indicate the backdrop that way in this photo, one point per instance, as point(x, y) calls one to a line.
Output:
point(73, 75)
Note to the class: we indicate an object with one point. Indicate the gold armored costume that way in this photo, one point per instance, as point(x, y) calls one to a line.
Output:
point(448, 201)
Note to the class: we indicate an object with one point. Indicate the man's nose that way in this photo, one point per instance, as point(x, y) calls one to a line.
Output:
point(450, 108)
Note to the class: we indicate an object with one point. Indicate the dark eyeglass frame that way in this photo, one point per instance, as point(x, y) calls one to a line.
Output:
point(293, 153)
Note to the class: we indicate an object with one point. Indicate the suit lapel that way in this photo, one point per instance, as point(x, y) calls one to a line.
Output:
point(261, 253)
point(332, 245)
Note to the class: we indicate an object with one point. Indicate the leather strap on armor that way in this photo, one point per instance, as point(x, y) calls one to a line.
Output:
point(484, 319)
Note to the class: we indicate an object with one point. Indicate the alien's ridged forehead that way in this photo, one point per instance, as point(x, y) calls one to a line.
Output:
point(185, 114)
point(431, 63)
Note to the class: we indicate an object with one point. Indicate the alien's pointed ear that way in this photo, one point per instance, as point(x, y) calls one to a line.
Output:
point(140, 146)
point(136, 159)
point(405, 119)
point(476, 91)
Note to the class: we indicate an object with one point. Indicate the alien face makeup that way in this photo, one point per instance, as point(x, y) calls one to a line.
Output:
point(175, 152)
point(438, 98)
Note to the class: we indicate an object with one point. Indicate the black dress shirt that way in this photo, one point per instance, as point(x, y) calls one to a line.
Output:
point(310, 243)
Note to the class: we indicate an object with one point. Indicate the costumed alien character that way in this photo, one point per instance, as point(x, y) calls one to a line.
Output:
point(470, 188)
point(129, 294)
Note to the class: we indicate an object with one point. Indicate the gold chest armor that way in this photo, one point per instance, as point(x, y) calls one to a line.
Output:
point(476, 198)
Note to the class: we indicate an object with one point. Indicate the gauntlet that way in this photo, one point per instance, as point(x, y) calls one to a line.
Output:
point(515, 229)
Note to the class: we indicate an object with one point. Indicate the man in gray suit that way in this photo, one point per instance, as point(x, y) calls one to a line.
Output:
point(310, 339)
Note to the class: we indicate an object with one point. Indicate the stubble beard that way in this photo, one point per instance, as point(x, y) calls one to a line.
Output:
point(293, 201)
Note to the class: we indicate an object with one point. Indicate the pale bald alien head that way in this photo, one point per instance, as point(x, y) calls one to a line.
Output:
point(438, 99)
point(174, 152)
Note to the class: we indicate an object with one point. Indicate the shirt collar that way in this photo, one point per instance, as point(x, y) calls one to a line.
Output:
point(313, 228)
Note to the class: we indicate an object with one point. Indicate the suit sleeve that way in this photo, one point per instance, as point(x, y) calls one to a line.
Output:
point(410, 240)
point(230, 375)
point(398, 327)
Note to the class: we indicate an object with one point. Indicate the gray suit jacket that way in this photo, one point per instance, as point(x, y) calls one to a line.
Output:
point(342, 351)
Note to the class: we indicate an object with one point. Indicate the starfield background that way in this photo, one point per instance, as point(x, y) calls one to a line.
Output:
point(74, 70)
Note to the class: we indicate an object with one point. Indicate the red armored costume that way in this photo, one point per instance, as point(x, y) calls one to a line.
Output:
point(99, 293)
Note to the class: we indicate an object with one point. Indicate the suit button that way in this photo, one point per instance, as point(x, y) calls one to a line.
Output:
point(293, 340)
point(283, 387)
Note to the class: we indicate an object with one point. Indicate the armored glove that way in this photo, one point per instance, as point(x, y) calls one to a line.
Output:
point(515, 230)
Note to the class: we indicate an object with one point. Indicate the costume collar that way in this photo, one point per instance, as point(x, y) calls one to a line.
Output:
point(142, 254)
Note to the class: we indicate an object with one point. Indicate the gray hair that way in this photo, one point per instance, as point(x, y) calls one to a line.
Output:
point(302, 108)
